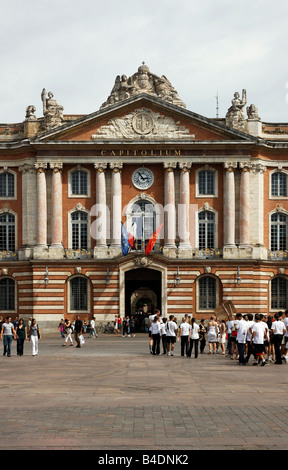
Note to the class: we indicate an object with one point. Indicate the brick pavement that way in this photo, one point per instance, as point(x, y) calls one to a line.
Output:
point(112, 394)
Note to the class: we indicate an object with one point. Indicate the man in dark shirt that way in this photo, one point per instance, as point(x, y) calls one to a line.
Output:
point(78, 330)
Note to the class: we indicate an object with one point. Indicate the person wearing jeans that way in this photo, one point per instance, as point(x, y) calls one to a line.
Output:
point(34, 335)
point(7, 333)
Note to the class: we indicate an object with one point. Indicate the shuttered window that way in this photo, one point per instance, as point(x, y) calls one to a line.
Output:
point(7, 294)
point(207, 293)
point(78, 294)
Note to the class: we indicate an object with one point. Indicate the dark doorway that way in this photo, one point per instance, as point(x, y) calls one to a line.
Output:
point(143, 289)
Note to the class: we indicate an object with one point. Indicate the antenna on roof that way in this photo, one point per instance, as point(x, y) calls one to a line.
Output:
point(217, 105)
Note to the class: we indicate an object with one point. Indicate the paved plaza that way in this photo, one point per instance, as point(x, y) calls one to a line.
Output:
point(113, 395)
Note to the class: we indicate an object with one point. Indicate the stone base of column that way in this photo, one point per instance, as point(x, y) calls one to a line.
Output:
point(25, 252)
point(185, 251)
point(115, 250)
point(102, 252)
point(56, 252)
point(259, 252)
point(41, 252)
point(170, 251)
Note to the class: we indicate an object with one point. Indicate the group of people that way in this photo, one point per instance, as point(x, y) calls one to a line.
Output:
point(264, 337)
point(128, 325)
point(189, 333)
point(77, 328)
point(240, 336)
point(20, 332)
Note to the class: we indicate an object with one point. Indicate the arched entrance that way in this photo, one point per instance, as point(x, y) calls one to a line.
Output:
point(143, 289)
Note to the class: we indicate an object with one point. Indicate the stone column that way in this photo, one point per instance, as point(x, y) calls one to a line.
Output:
point(116, 204)
point(56, 235)
point(184, 208)
point(229, 205)
point(41, 198)
point(245, 204)
point(101, 210)
point(29, 211)
point(170, 209)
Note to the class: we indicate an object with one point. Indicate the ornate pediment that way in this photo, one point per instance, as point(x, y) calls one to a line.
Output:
point(141, 124)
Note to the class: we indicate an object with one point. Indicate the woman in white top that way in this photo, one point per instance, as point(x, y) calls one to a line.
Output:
point(155, 333)
point(212, 330)
point(222, 337)
point(184, 333)
point(171, 335)
point(194, 338)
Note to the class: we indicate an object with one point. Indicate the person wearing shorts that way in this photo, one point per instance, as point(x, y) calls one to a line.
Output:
point(171, 335)
point(258, 338)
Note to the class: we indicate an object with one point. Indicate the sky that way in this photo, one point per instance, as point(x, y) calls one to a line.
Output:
point(204, 47)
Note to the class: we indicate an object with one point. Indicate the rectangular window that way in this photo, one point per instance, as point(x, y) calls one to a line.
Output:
point(6, 185)
point(206, 182)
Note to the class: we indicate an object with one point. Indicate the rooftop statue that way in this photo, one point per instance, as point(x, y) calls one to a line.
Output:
point(235, 116)
point(52, 111)
point(143, 81)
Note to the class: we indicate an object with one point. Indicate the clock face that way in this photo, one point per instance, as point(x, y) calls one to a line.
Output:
point(142, 178)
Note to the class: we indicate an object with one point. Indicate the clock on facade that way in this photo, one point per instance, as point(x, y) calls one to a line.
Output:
point(142, 178)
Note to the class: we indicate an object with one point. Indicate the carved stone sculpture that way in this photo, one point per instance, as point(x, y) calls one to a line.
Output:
point(30, 113)
point(52, 111)
point(252, 112)
point(141, 124)
point(235, 116)
point(143, 81)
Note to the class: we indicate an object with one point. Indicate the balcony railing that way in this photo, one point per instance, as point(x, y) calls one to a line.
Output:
point(278, 255)
point(78, 254)
point(208, 253)
point(7, 255)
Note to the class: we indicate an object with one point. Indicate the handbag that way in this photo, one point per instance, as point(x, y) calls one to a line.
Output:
point(82, 340)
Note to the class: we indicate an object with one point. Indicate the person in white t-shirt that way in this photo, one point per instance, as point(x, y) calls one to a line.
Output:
point(249, 344)
point(278, 328)
point(184, 334)
point(163, 333)
point(241, 328)
point(171, 335)
point(194, 338)
point(150, 320)
point(258, 336)
point(155, 332)
point(285, 321)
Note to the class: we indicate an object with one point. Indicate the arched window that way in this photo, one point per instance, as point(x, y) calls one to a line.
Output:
point(7, 232)
point(207, 293)
point(143, 222)
point(279, 184)
point(79, 182)
point(79, 294)
point(7, 294)
point(7, 186)
point(79, 222)
point(206, 230)
point(278, 232)
point(279, 293)
point(206, 182)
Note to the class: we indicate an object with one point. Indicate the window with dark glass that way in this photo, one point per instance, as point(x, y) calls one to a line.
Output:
point(206, 183)
point(78, 294)
point(206, 227)
point(7, 294)
point(7, 232)
point(207, 293)
point(6, 185)
point(278, 232)
point(279, 184)
point(79, 230)
point(143, 223)
point(279, 293)
point(79, 182)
